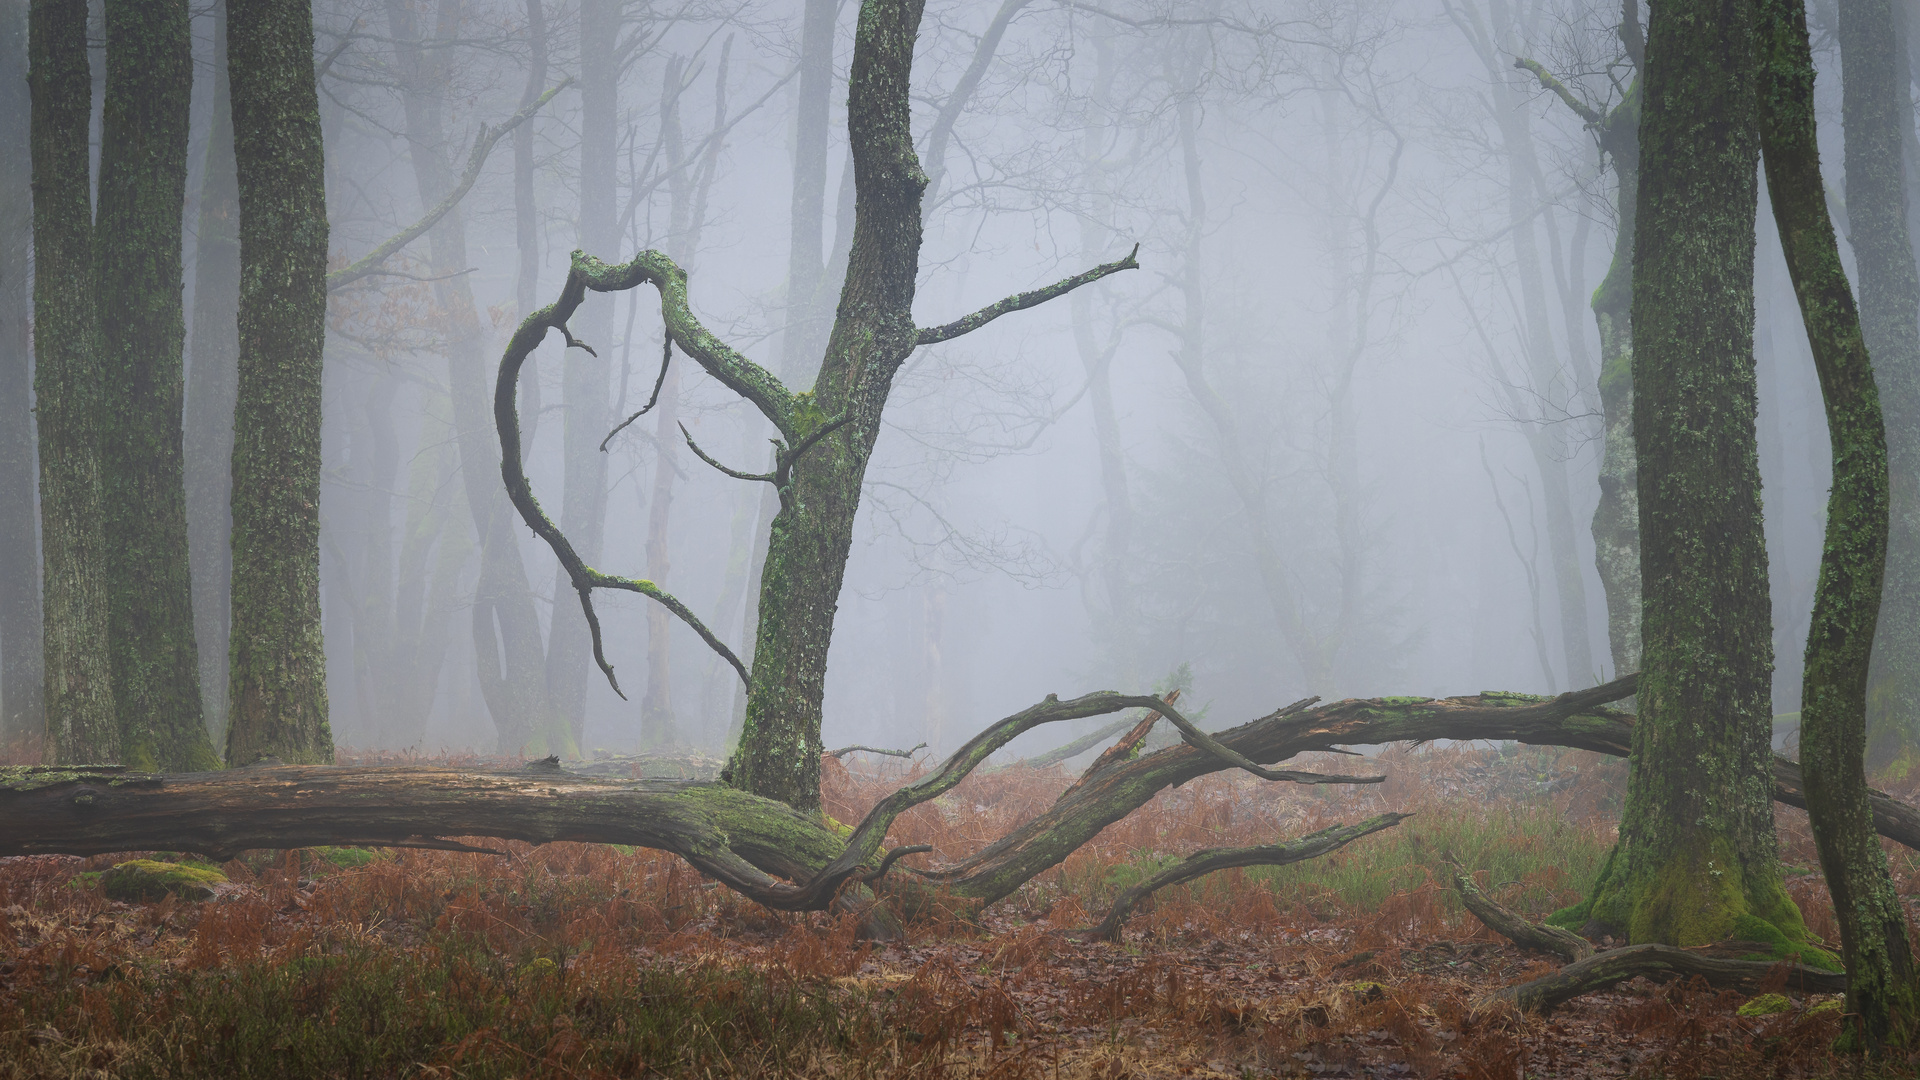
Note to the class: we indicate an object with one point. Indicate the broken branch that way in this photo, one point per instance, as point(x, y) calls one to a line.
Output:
point(666, 360)
point(1604, 970)
point(845, 750)
point(1514, 926)
point(1202, 863)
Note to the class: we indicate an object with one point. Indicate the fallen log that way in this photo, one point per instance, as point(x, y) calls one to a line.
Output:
point(1605, 970)
point(1514, 926)
point(1201, 863)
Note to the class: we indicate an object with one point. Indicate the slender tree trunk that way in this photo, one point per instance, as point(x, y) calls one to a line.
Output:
point(22, 719)
point(1616, 518)
point(213, 375)
point(278, 684)
point(1882, 994)
point(585, 377)
point(1877, 111)
point(1697, 861)
point(68, 392)
point(508, 651)
point(138, 275)
point(526, 223)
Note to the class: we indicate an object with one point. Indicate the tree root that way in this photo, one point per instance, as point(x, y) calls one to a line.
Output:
point(1604, 970)
point(1201, 863)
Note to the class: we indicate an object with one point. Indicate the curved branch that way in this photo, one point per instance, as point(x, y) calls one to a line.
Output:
point(1202, 863)
point(1195, 737)
point(666, 360)
point(587, 272)
point(786, 459)
point(845, 750)
point(482, 146)
point(1549, 82)
point(1514, 926)
point(1023, 301)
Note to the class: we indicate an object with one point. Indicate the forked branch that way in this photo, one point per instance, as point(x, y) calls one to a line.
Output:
point(369, 264)
point(1022, 301)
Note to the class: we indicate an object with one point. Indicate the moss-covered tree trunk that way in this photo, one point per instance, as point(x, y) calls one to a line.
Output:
point(21, 718)
point(1616, 517)
point(68, 393)
point(277, 687)
point(137, 285)
point(1840, 640)
point(779, 751)
point(1697, 860)
point(213, 352)
point(1877, 113)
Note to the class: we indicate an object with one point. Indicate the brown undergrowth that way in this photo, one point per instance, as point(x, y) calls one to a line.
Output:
point(573, 960)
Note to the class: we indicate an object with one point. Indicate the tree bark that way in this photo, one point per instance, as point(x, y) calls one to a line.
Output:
point(1882, 992)
point(1603, 971)
point(1877, 111)
point(278, 683)
point(213, 378)
point(22, 717)
point(138, 283)
point(69, 393)
point(1697, 860)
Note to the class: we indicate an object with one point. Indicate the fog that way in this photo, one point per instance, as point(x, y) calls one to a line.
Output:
point(1316, 445)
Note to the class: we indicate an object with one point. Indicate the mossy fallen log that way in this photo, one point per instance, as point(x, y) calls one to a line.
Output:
point(1605, 970)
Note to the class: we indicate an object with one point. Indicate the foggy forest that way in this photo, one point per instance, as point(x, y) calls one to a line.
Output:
point(914, 538)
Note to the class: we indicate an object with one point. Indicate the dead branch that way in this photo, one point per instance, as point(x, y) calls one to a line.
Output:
point(1202, 863)
point(660, 380)
point(845, 750)
point(1022, 301)
point(1604, 970)
point(1514, 926)
point(483, 144)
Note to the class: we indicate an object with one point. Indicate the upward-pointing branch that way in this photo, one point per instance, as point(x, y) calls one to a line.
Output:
point(483, 144)
point(1022, 301)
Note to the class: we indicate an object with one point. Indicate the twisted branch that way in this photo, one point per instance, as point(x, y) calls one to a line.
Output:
point(666, 360)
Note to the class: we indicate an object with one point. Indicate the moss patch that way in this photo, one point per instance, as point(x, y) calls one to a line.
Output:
point(150, 879)
point(1765, 1005)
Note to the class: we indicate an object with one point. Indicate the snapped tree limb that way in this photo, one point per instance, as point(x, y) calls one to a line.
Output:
point(1514, 926)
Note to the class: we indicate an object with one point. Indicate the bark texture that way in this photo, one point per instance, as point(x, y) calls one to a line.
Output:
point(278, 682)
point(1878, 115)
point(69, 394)
point(22, 719)
point(213, 376)
point(1603, 971)
point(1697, 860)
point(137, 284)
point(1881, 989)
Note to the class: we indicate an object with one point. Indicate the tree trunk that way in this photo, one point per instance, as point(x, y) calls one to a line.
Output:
point(1697, 860)
point(1616, 518)
point(69, 394)
point(22, 718)
point(137, 245)
point(779, 752)
point(505, 624)
point(1877, 110)
point(213, 377)
point(584, 376)
point(1881, 984)
point(278, 683)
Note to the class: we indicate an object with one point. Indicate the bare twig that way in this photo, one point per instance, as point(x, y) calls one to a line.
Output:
point(845, 750)
point(703, 456)
point(666, 359)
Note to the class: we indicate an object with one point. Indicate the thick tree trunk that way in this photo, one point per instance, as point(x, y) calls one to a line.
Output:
point(278, 683)
point(138, 274)
point(1878, 111)
point(213, 379)
point(779, 752)
point(1697, 860)
point(1881, 987)
point(22, 718)
point(69, 394)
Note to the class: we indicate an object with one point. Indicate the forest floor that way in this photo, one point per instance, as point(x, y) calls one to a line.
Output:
point(574, 960)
